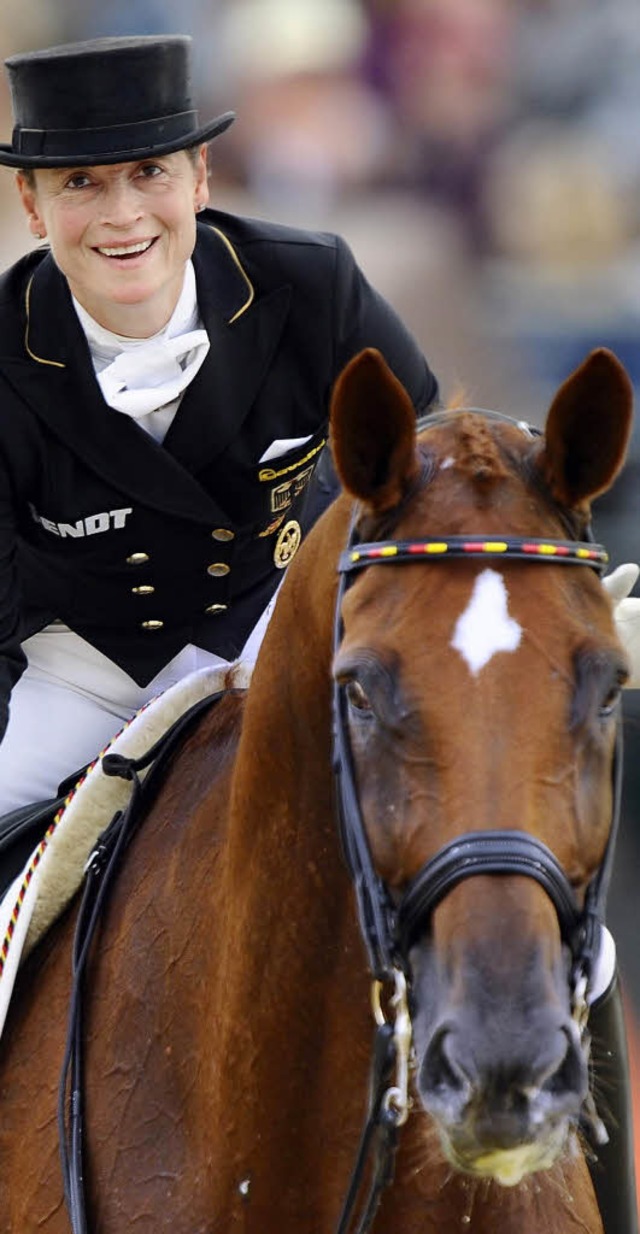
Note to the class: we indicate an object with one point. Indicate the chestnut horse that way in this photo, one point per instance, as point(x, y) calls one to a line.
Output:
point(228, 1029)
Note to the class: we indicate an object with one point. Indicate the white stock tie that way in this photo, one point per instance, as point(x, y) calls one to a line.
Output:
point(153, 373)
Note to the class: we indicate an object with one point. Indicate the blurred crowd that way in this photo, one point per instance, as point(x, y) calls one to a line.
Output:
point(482, 158)
point(501, 135)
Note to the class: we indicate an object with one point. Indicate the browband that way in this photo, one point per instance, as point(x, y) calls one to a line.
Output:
point(566, 552)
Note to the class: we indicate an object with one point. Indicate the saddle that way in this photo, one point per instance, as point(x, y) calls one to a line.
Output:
point(22, 830)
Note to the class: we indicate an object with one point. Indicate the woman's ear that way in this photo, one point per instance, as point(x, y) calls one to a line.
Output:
point(201, 195)
point(29, 199)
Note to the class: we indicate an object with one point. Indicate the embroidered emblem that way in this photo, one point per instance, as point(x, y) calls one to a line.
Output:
point(287, 544)
point(268, 473)
point(268, 531)
point(284, 495)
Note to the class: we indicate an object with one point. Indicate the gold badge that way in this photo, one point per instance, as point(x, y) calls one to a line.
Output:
point(287, 544)
point(268, 531)
point(285, 494)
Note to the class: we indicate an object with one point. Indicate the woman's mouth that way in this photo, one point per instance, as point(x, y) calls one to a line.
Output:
point(124, 252)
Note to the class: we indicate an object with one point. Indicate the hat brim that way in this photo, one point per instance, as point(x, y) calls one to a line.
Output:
point(9, 157)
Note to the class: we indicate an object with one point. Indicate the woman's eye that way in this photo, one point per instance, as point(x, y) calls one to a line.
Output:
point(358, 698)
point(149, 170)
point(77, 182)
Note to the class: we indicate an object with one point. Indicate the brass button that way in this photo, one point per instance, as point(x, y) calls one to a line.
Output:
point(216, 608)
point(152, 625)
point(223, 534)
point(218, 569)
point(137, 559)
point(145, 590)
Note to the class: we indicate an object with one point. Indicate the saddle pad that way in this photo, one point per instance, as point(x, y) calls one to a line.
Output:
point(56, 868)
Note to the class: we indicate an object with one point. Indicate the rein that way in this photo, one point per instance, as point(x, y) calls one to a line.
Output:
point(389, 929)
point(101, 869)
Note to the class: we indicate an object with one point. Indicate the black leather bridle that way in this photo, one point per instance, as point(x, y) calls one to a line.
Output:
point(390, 928)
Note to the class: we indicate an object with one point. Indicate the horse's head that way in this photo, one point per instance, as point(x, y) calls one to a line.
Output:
point(480, 695)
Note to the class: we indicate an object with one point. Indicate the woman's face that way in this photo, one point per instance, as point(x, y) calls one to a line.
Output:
point(121, 234)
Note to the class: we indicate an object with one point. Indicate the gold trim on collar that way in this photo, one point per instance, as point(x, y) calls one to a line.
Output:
point(236, 259)
point(39, 359)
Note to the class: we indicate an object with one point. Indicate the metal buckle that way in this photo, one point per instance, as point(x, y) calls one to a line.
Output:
point(396, 1102)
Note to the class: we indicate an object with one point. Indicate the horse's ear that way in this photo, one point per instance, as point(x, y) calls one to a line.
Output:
point(373, 429)
point(587, 430)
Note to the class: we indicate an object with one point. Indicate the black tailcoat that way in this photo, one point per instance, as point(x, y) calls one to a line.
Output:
point(142, 548)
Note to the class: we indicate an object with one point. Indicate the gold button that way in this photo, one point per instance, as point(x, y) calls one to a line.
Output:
point(216, 608)
point(218, 569)
point(137, 559)
point(152, 625)
point(146, 590)
point(223, 533)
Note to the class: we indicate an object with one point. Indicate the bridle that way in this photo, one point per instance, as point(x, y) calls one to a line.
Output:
point(389, 928)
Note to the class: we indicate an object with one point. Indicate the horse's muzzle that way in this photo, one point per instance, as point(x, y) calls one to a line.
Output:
point(504, 1102)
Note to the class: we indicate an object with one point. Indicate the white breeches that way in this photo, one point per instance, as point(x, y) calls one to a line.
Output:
point(70, 701)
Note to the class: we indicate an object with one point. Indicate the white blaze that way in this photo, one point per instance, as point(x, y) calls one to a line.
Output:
point(485, 627)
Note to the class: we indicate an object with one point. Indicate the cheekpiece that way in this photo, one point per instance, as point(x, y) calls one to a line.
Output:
point(107, 100)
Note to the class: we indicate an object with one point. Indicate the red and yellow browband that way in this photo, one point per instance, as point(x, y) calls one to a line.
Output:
point(566, 552)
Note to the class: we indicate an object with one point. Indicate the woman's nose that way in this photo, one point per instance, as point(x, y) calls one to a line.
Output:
point(121, 205)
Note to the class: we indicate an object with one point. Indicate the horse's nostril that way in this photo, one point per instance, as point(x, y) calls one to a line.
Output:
point(570, 1074)
point(440, 1072)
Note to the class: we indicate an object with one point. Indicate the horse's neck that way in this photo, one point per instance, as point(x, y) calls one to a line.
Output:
point(293, 967)
point(283, 767)
point(281, 810)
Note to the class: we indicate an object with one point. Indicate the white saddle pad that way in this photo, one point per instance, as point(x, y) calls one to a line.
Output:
point(56, 868)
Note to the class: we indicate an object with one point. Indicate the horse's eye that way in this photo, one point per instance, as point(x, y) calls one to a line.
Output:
point(610, 701)
point(358, 697)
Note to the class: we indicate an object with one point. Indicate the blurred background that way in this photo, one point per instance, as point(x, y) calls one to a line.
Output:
point(483, 161)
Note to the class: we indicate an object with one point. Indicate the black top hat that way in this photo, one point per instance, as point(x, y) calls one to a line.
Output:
point(104, 101)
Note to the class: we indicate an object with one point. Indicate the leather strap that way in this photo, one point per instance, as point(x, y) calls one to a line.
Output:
point(487, 852)
point(102, 868)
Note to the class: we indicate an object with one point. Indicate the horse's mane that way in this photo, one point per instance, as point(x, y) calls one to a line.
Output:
point(478, 454)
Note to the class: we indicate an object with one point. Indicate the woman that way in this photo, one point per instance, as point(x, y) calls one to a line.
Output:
point(163, 401)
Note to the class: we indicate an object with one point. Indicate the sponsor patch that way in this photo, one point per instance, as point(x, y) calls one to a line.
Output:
point(93, 524)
